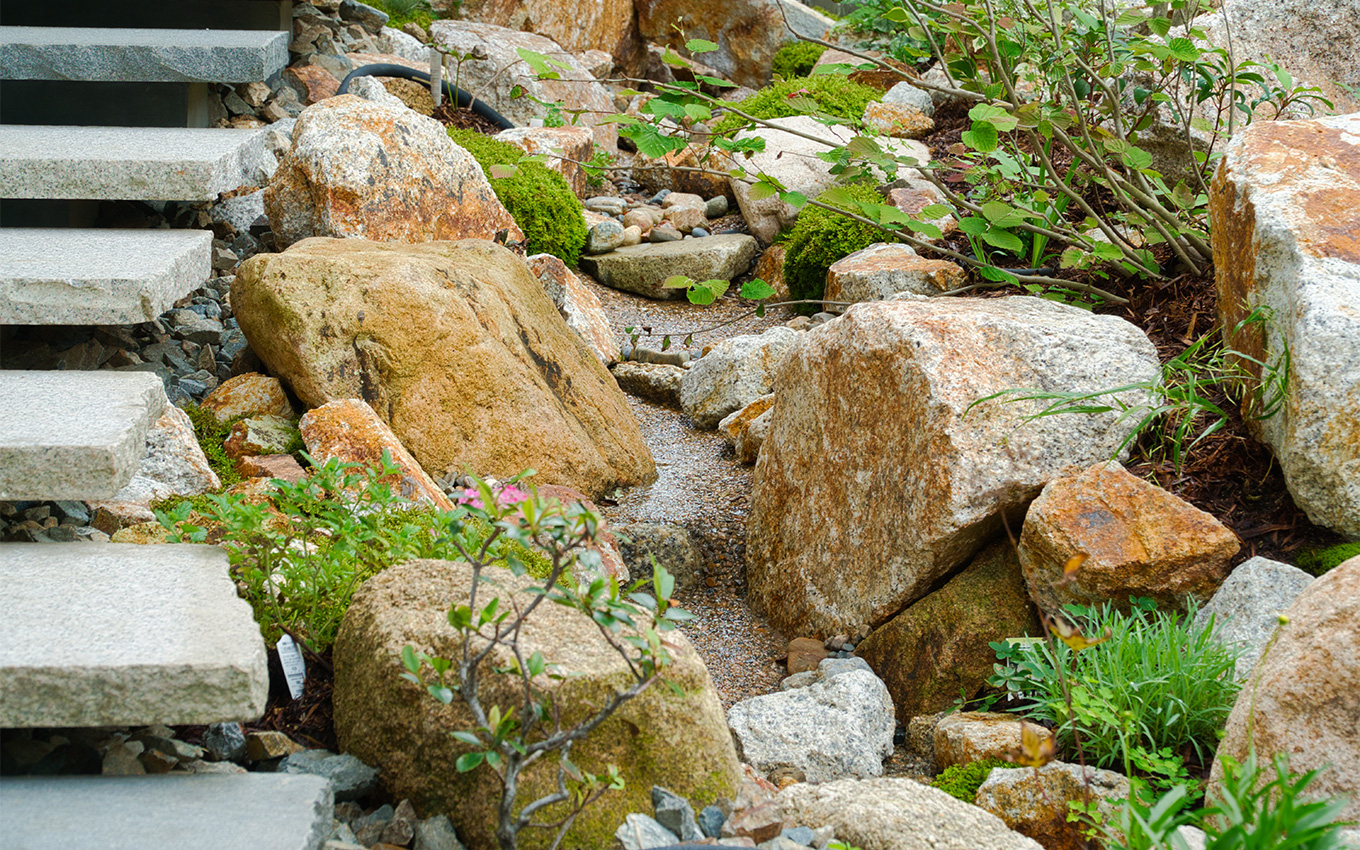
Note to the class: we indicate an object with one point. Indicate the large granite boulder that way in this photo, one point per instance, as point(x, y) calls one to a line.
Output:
point(675, 738)
point(455, 345)
point(736, 372)
point(883, 270)
point(1246, 608)
point(837, 726)
point(1036, 802)
point(968, 736)
point(578, 305)
point(375, 171)
point(562, 147)
point(938, 646)
point(499, 77)
point(1303, 697)
point(1139, 540)
point(173, 464)
point(884, 470)
point(892, 813)
point(607, 25)
point(747, 32)
point(1283, 205)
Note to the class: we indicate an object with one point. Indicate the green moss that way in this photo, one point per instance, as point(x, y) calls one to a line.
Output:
point(797, 59)
point(834, 94)
point(405, 11)
point(211, 434)
point(820, 238)
point(538, 198)
point(963, 780)
point(1319, 561)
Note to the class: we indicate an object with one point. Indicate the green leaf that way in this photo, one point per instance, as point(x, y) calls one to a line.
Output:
point(924, 228)
point(994, 115)
point(982, 138)
point(1183, 49)
point(936, 211)
point(501, 172)
point(1160, 26)
point(662, 580)
point(1137, 158)
point(756, 289)
point(469, 761)
point(973, 226)
point(797, 200)
point(697, 112)
point(409, 659)
point(715, 81)
point(707, 292)
point(673, 59)
point(996, 210)
point(677, 281)
point(1003, 239)
point(467, 738)
point(699, 45)
point(898, 15)
point(761, 191)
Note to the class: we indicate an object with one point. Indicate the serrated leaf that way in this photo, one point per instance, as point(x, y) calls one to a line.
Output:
point(982, 138)
point(699, 45)
point(797, 200)
point(501, 172)
point(715, 81)
point(1160, 26)
point(707, 292)
point(837, 196)
point(936, 211)
point(994, 115)
point(697, 112)
point(1183, 49)
point(996, 210)
point(673, 59)
point(1137, 158)
point(1003, 239)
point(924, 228)
point(761, 191)
point(973, 226)
point(898, 15)
point(756, 289)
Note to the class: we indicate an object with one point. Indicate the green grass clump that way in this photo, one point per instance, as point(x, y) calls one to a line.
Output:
point(211, 434)
point(538, 198)
point(962, 781)
point(834, 94)
point(1319, 561)
point(820, 238)
point(797, 59)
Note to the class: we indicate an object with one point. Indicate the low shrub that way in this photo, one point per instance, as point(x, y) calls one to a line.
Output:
point(1319, 561)
point(538, 198)
point(962, 781)
point(833, 94)
point(820, 238)
point(797, 59)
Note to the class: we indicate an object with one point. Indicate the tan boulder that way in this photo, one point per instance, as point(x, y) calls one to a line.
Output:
point(283, 467)
point(260, 435)
point(678, 740)
point(250, 394)
point(374, 171)
point(770, 268)
point(579, 306)
point(1139, 540)
point(312, 83)
point(669, 172)
point(455, 346)
point(348, 430)
point(938, 647)
point(884, 470)
point(1306, 693)
point(562, 147)
point(970, 736)
point(603, 25)
point(901, 120)
point(885, 269)
point(1035, 802)
point(741, 430)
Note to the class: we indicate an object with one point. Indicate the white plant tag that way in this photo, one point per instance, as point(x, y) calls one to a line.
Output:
point(294, 668)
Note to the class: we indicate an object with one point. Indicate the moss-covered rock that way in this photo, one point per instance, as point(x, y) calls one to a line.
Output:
point(678, 740)
point(797, 59)
point(820, 238)
point(961, 781)
point(540, 200)
point(833, 94)
point(1320, 561)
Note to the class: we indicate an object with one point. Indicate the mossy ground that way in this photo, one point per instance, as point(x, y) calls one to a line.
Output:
point(797, 59)
point(833, 94)
point(538, 198)
point(1319, 561)
point(963, 780)
point(820, 238)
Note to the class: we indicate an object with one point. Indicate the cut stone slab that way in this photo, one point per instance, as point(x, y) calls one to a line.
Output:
point(102, 54)
point(125, 163)
point(51, 276)
point(74, 435)
point(640, 269)
point(125, 635)
point(262, 811)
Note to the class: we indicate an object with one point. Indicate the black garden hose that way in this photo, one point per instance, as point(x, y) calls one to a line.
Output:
point(458, 96)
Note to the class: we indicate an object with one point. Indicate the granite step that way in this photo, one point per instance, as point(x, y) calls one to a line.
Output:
point(126, 163)
point(122, 634)
point(74, 435)
point(60, 276)
point(259, 811)
point(99, 54)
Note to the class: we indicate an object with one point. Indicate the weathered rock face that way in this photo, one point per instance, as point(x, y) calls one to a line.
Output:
point(736, 372)
point(658, 382)
point(561, 145)
point(607, 25)
point(455, 346)
point(1139, 540)
point(351, 432)
point(249, 394)
point(641, 269)
point(879, 476)
point(1247, 606)
point(970, 736)
point(495, 78)
point(883, 270)
point(1035, 802)
point(368, 170)
point(173, 464)
point(579, 306)
point(1306, 692)
point(793, 161)
point(747, 32)
point(890, 813)
point(939, 646)
point(745, 429)
point(680, 741)
point(1283, 205)
point(837, 726)
point(671, 546)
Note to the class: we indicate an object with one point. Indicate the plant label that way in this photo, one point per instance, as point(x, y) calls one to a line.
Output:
point(294, 668)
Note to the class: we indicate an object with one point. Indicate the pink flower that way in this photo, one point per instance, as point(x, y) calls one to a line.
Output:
point(512, 495)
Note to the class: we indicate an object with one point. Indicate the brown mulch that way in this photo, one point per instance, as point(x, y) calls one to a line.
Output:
point(464, 119)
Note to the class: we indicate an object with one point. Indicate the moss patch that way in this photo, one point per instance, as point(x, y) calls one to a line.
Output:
point(211, 434)
point(820, 238)
point(1319, 561)
point(797, 59)
point(834, 94)
point(405, 11)
point(963, 780)
point(538, 198)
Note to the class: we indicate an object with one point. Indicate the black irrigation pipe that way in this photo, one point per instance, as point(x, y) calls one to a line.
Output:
point(460, 98)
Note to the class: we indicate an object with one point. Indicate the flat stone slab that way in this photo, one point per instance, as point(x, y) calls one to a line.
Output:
point(125, 163)
point(261, 811)
point(141, 55)
point(74, 435)
point(97, 277)
point(640, 269)
point(122, 634)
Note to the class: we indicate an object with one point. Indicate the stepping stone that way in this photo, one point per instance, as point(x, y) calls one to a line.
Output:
point(141, 55)
point(125, 163)
point(74, 435)
point(261, 811)
point(641, 269)
point(98, 277)
point(121, 634)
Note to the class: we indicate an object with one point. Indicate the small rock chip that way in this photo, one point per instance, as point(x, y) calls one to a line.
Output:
point(261, 746)
point(805, 654)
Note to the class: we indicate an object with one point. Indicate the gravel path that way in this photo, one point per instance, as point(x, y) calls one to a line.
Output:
point(702, 487)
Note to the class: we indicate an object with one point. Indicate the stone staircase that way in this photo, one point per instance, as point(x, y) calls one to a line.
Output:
point(110, 634)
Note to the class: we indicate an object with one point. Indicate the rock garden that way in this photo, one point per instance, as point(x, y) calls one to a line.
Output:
point(649, 424)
